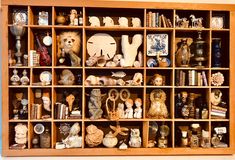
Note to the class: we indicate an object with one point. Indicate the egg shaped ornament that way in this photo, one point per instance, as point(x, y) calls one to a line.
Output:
point(101, 44)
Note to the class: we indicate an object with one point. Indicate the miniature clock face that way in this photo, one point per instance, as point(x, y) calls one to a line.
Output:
point(45, 77)
point(39, 128)
point(20, 18)
point(101, 44)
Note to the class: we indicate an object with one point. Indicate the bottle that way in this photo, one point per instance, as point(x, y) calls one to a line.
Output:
point(194, 140)
point(215, 141)
point(80, 19)
point(205, 141)
point(197, 113)
point(184, 139)
point(185, 112)
point(178, 106)
point(216, 52)
point(191, 106)
point(45, 139)
point(205, 113)
point(162, 142)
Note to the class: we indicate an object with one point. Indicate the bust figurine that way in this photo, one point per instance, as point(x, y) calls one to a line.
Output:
point(138, 109)
point(157, 80)
point(21, 133)
point(216, 97)
point(129, 110)
point(15, 79)
point(24, 79)
point(120, 110)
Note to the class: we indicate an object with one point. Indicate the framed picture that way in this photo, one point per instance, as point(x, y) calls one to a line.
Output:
point(157, 44)
point(217, 22)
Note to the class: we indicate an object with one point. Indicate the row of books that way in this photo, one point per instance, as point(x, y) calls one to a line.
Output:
point(194, 78)
point(218, 112)
point(36, 111)
point(62, 112)
point(157, 20)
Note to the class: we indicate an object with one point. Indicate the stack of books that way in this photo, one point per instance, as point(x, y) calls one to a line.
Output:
point(218, 112)
point(36, 111)
point(62, 111)
point(157, 20)
point(195, 78)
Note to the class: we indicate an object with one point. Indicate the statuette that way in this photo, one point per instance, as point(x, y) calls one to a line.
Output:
point(73, 17)
point(73, 140)
point(94, 21)
point(136, 22)
point(15, 79)
point(108, 22)
point(135, 139)
point(24, 79)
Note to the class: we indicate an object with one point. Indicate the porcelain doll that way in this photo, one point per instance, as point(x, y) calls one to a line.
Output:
point(138, 109)
point(129, 110)
point(120, 110)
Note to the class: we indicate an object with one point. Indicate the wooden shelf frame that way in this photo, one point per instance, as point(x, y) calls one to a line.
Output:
point(144, 7)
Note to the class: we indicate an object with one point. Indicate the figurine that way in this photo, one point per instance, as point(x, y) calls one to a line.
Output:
point(216, 97)
point(110, 140)
point(119, 74)
point(136, 22)
point(20, 136)
point(164, 132)
point(94, 104)
point(73, 17)
point(67, 77)
point(46, 101)
point(136, 81)
point(130, 51)
point(24, 79)
point(108, 21)
point(158, 107)
point(183, 54)
point(135, 139)
point(123, 22)
point(61, 19)
point(43, 18)
point(196, 22)
point(94, 136)
point(157, 80)
point(217, 79)
point(181, 22)
point(16, 104)
point(70, 99)
point(138, 109)
point(163, 61)
point(113, 95)
point(15, 79)
point(71, 43)
point(94, 21)
point(129, 110)
point(120, 110)
point(73, 140)
point(24, 111)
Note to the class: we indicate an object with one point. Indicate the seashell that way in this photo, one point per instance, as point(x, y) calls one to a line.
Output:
point(151, 62)
point(119, 74)
point(101, 61)
point(91, 80)
point(103, 81)
point(117, 58)
point(111, 64)
point(137, 79)
point(112, 82)
point(137, 64)
point(91, 61)
point(67, 77)
point(120, 82)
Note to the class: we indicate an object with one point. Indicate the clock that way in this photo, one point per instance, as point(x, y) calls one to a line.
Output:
point(19, 17)
point(101, 44)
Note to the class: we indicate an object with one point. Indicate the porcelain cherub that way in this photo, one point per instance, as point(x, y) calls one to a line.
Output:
point(129, 110)
point(138, 109)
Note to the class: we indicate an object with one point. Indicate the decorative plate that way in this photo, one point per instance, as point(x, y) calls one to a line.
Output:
point(217, 79)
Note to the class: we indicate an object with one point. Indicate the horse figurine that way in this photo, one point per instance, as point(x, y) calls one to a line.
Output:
point(196, 22)
point(181, 22)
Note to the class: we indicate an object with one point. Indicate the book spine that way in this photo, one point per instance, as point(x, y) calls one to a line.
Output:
point(193, 77)
point(169, 22)
point(177, 82)
point(150, 19)
point(218, 108)
point(181, 78)
point(147, 20)
point(157, 19)
point(204, 78)
point(163, 21)
point(153, 19)
point(184, 75)
point(189, 78)
point(160, 21)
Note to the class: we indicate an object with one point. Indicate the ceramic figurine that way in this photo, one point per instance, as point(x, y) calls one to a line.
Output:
point(135, 139)
point(138, 109)
point(46, 101)
point(113, 96)
point(196, 22)
point(217, 79)
point(120, 110)
point(94, 136)
point(24, 111)
point(94, 104)
point(123, 22)
point(129, 110)
point(15, 79)
point(119, 74)
point(216, 97)
point(158, 107)
point(157, 80)
point(43, 18)
point(94, 21)
point(181, 22)
point(136, 22)
point(108, 21)
point(73, 140)
point(67, 77)
point(73, 15)
point(136, 81)
point(130, 51)
point(24, 79)
point(183, 54)
point(20, 136)
point(117, 58)
point(110, 140)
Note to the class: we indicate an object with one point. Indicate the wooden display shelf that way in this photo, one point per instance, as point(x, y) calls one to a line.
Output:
point(117, 9)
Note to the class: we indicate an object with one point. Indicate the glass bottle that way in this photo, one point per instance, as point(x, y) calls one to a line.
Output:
point(205, 141)
point(80, 19)
point(216, 52)
point(215, 141)
point(45, 139)
point(162, 142)
point(194, 140)
point(183, 54)
point(184, 139)
point(191, 105)
point(178, 106)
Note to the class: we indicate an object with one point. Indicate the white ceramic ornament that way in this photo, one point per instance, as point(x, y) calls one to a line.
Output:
point(123, 22)
point(108, 21)
point(47, 40)
point(101, 44)
point(94, 21)
point(136, 22)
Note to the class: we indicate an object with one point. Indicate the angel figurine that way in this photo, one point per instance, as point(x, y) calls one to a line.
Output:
point(158, 108)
